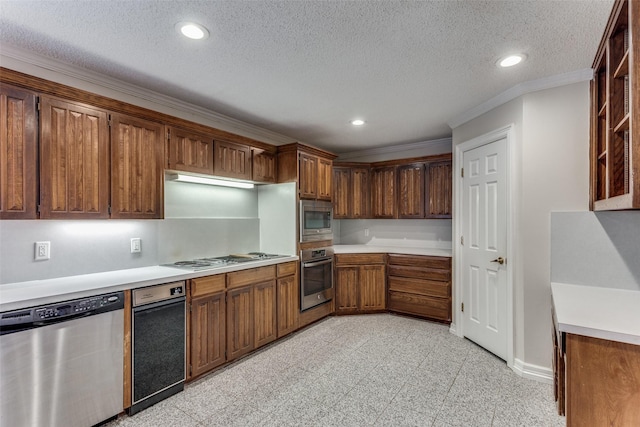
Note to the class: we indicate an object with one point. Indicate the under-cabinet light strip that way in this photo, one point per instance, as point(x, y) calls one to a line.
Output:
point(210, 181)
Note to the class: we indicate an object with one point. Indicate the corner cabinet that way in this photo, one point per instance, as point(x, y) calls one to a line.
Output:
point(615, 112)
point(420, 285)
point(137, 158)
point(18, 153)
point(264, 166)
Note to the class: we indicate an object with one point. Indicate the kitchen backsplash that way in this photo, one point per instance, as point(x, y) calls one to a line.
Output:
point(81, 247)
point(596, 248)
point(432, 233)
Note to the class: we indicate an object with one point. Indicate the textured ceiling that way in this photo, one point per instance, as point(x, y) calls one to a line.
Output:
point(305, 68)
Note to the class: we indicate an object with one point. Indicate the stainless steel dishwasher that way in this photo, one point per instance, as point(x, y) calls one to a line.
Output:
point(158, 341)
point(61, 364)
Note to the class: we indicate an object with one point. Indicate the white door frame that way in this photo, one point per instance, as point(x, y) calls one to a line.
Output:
point(512, 199)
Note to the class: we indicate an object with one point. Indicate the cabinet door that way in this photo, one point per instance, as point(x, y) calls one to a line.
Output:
point(360, 189)
point(288, 304)
point(383, 192)
point(325, 172)
point(264, 166)
point(18, 153)
point(137, 153)
point(341, 192)
point(232, 160)
point(240, 323)
point(372, 288)
point(207, 333)
point(265, 313)
point(411, 191)
point(74, 160)
point(347, 289)
point(190, 152)
point(438, 194)
point(308, 175)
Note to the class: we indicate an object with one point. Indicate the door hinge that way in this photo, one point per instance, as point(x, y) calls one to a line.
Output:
point(38, 105)
point(462, 240)
point(462, 172)
point(38, 208)
point(109, 120)
point(109, 209)
point(462, 307)
point(190, 370)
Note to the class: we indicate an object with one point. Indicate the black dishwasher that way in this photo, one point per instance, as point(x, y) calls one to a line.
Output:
point(158, 344)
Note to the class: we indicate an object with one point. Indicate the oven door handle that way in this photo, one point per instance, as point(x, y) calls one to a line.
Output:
point(317, 263)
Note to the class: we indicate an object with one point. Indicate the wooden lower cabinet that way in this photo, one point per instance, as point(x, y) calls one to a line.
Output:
point(264, 304)
point(207, 333)
point(420, 285)
point(240, 322)
point(288, 298)
point(602, 382)
point(360, 283)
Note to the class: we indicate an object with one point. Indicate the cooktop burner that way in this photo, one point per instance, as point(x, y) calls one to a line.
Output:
point(212, 262)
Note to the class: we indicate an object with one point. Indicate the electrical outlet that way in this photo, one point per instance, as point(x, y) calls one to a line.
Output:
point(366, 232)
point(136, 245)
point(43, 251)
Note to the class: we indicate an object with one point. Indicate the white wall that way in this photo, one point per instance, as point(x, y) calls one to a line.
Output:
point(596, 249)
point(550, 173)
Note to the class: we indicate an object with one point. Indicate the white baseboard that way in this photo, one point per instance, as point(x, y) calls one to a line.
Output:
point(533, 372)
point(452, 328)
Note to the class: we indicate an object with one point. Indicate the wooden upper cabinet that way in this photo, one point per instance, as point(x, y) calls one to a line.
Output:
point(18, 153)
point(232, 160)
point(308, 176)
point(351, 187)
point(615, 112)
point(325, 173)
point(341, 192)
point(74, 160)
point(361, 188)
point(383, 192)
point(190, 152)
point(137, 157)
point(411, 182)
point(264, 166)
point(439, 186)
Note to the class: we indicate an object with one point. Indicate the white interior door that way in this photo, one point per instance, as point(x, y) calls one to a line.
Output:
point(484, 233)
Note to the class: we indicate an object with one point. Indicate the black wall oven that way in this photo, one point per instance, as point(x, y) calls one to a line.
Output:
point(316, 277)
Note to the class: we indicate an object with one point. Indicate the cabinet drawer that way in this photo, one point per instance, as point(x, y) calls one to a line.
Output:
point(421, 287)
point(420, 273)
point(207, 285)
point(420, 305)
point(252, 275)
point(287, 269)
point(420, 261)
point(358, 259)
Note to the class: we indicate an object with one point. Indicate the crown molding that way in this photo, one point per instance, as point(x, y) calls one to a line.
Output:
point(60, 72)
point(443, 143)
point(519, 90)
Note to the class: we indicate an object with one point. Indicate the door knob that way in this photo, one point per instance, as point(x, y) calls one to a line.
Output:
point(499, 260)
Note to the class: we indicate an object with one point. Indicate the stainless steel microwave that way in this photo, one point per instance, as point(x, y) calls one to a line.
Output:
point(316, 220)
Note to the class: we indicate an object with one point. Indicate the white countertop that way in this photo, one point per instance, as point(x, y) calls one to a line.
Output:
point(606, 313)
point(14, 296)
point(407, 250)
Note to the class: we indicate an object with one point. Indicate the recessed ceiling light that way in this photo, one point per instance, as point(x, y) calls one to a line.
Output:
point(511, 60)
point(192, 30)
point(357, 122)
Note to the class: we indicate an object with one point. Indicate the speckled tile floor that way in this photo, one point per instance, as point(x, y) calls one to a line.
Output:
point(380, 370)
